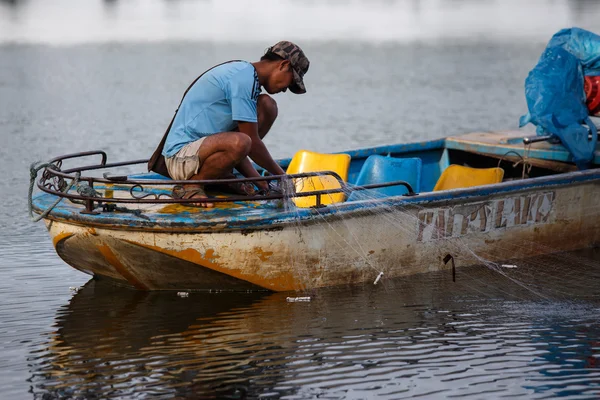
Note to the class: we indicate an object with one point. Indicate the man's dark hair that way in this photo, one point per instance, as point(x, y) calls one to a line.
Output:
point(270, 56)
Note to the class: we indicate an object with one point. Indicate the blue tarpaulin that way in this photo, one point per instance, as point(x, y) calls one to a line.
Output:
point(555, 95)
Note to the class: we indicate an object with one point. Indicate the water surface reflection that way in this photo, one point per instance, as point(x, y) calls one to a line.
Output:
point(424, 335)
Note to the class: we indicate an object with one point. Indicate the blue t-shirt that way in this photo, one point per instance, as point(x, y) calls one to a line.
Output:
point(222, 96)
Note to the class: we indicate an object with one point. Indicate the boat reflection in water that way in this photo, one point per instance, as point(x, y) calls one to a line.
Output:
point(417, 335)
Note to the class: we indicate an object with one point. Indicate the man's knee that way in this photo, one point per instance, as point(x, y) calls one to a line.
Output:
point(240, 144)
point(267, 106)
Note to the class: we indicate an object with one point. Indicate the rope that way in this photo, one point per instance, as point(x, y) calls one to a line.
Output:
point(86, 190)
point(82, 188)
point(523, 159)
point(33, 171)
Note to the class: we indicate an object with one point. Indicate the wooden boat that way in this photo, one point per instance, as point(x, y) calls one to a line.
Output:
point(357, 216)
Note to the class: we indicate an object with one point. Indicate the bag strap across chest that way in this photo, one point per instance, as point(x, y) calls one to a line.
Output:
point(157, 161)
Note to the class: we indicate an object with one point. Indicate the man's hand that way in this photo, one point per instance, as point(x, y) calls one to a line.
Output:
point(245, 168)
point(285, 187)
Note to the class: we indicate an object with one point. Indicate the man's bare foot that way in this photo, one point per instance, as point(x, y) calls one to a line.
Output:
point(192, 192)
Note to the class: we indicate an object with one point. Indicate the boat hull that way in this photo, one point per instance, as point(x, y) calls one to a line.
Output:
point(396, 237)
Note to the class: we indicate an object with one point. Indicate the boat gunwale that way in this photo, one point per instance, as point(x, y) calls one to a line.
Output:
point(308, 216)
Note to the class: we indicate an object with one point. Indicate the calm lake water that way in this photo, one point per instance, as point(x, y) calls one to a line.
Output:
point(82, 75)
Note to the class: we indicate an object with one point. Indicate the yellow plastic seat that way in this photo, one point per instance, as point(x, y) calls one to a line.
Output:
point(308, 161)
point(457, 176)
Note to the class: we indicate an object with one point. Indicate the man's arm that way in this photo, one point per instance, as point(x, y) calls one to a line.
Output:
point(258, 152)
point(245, 168)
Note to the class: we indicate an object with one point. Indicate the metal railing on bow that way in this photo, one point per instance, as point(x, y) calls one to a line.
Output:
point(58, 182)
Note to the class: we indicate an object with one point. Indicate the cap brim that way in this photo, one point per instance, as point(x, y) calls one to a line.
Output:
point(297, 86)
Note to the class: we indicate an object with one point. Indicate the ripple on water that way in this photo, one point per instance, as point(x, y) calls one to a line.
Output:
point(115, 344)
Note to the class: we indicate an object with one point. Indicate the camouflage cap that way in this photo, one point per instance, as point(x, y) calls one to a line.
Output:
point(294, 54)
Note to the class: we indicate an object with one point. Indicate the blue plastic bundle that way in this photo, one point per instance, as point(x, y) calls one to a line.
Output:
point(555, 94)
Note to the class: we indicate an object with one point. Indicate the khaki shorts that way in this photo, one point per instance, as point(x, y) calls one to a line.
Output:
point(185, 163)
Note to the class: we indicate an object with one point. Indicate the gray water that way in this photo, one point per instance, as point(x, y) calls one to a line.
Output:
point(81, 75)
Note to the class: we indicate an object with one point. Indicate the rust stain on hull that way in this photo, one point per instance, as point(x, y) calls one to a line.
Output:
point(112, 259)
point(281, 282)
point(60, 237)
point(263, 255)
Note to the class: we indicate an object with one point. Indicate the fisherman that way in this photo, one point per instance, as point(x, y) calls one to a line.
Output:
point(223, 118)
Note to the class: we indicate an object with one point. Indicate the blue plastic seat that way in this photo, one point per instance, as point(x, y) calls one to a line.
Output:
point(380, 169)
